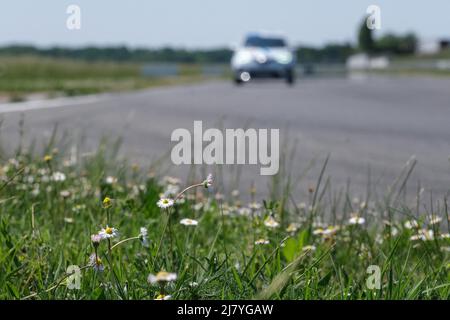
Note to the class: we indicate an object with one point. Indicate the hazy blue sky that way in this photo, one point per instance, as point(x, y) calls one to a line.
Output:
point(209, 23)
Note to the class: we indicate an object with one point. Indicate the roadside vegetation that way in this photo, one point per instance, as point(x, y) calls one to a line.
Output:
point(25, 76)
point(133, 233)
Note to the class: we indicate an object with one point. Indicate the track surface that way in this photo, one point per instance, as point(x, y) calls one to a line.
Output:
point(376, 123)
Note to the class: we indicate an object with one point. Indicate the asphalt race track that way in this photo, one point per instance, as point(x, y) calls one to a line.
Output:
point(376, 122)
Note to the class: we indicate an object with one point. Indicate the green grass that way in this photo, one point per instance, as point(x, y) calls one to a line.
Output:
point(46, 226)
point(21, 76)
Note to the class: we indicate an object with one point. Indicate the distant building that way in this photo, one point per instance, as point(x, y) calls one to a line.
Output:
point(432, 46)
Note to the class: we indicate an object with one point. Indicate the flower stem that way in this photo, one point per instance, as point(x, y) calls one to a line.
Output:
point(188, 188)
point(125, 240)
point(162, 237)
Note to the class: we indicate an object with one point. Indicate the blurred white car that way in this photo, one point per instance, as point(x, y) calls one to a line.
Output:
point(263, 56)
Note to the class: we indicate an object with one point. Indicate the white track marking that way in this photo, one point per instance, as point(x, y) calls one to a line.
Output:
point(50, 103)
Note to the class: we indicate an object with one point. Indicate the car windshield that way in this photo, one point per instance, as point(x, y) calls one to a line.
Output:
point(255, 41)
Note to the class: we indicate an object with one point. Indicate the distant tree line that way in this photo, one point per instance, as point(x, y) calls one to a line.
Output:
point(330, 53)
point(388, 43)
point(122, 54)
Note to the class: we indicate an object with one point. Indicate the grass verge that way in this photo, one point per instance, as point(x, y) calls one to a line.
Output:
point(107, 221)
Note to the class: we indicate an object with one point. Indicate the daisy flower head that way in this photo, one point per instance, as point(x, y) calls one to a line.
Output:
point(424, 235)
point(162, 277)
point(108, 232)
point(163, 297)
point(68, 219)
point(435, 220)
point(270, 222)
point(318, 231)
point(330, 231)
point(96, 262)
point(189, 222)
point(254, 206)
point(262, 242)
point(111, 180)
point(58, 176)
point(65, 194)
point(208, 182)
point(165, 203)
point(309, 248)
point(245, 211)
point(411, 224)
point(143, 236)
point(143, 231)
point(356, 219)
point(106, 202)
point(293, 227)
point(96, 238)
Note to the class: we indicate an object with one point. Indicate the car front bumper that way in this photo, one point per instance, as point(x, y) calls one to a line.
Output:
point(270, 69)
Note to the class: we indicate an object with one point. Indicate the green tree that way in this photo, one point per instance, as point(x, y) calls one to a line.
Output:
point(397, 44)
point(365, 39)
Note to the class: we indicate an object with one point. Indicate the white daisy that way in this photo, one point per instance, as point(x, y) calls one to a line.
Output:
point(108, 232)
point(331, 230)
point(58, 176)
point(189, 222)
point(254, 206)
point(309, 248)
point(162, 276)
point(96, 262)
point(209, 181)
point(65, 193)
point(245, 211)
point(262, 241)
point(165, 203)
point(293, 227)
point(424, 235)
point(143, 236)
point(163, 297)
point(68, 219)
point(356, 220)
point(435, 220)
point(111, 180)
point(318, 231)
point(270, 222)
point(410, 224)
point(96, 238)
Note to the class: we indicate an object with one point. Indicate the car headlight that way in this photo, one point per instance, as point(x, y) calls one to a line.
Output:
point(284, 57)
point(243, 57)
